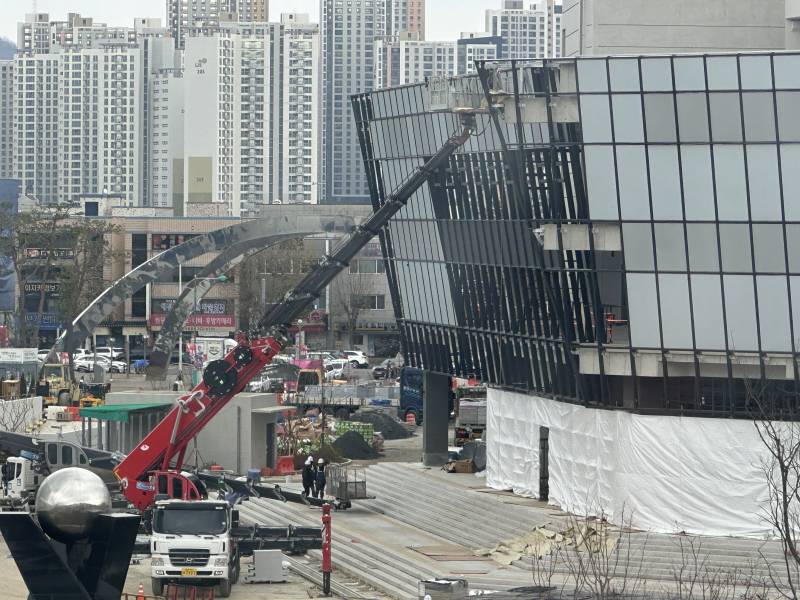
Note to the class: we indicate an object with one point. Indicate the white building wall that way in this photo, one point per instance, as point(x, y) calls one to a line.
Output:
point(524, 30)
point(167, 152)
point(348, 34)
point(36, 124)
point(6, 118)
point(667, 474)
point(211, 115)
point(300, 128)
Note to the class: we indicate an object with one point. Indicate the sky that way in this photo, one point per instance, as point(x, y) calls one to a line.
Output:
point(445, 19)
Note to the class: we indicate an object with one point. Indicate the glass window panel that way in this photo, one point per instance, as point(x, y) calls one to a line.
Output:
point(675, 311)
point(656, 75)
point(627, 110)
point(600, 185)
point(624, 73)
point(790, 175)
point(697, 186)
point(731, 187)
point(692, 117)
point(595, 119)
point(592, 76)
point(670, 248)
point(632, 175)
point(756, 72)
point(773, 313)
point(794, 286)
point(702, 238)
point(665, 185)
point(793, 249)
point(722, 73)
point(759, 117)
point(689, 73)
point(735, 242)
point(659, 117)
point(787, 71)
point(638, 240)
point(726, 119)
point(788, 121)
point(768, 246)
point(740, 311)
point(643, 310)
point(762, 170)
point(709, 330)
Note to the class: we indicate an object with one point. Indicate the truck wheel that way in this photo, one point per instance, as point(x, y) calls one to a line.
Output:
point(225, 588)
point(158, 586)
point(63, 398)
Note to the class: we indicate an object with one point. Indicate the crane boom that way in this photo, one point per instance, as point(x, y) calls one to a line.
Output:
point(163, 449)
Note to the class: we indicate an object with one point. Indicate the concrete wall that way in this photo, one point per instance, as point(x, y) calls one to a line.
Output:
point(601, 27)
point(235, 438)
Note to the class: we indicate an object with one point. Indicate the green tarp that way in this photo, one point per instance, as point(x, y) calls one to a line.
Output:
point(119, 412)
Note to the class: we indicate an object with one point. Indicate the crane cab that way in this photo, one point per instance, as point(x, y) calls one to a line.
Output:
point(166, 485)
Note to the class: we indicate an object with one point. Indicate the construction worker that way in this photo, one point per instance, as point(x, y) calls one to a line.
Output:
point(319, 483)
point(309, 475)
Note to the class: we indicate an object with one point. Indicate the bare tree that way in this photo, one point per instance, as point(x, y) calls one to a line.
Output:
point(16, 415)
point(351, 294)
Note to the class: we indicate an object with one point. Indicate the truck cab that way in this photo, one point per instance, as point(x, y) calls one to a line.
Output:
point(411, 395)
point(192, 543)
point(19, 478)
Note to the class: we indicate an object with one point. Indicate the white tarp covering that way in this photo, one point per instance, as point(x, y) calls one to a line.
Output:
point(668, 474)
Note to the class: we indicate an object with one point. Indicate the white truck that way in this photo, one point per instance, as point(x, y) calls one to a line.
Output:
point(19, 479)
point(192, 542)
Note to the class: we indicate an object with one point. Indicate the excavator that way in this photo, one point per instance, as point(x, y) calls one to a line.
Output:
point(153, 469)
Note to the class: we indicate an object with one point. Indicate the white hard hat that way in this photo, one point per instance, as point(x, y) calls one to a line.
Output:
point(309, 460)
point(321, 461)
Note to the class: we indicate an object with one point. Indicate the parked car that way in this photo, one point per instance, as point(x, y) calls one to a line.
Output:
point(386, 370)
point(85, 364)
point(109, 352)
point(356, 358)
point(82, 353)
point(335, 369)
point(42, 354)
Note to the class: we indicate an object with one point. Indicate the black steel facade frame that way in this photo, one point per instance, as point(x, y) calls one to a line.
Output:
point(702, 154)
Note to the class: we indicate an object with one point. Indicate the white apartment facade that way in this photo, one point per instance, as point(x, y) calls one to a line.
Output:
point(300, 114)
point(6, 118)
point(526, 32)
point(33, 35)
point(412, 61)
point(183, 15)
point(166, 156)
point(348, 32)
point(476, 46)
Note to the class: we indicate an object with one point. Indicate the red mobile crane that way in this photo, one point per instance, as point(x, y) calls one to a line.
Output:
point(153, 468)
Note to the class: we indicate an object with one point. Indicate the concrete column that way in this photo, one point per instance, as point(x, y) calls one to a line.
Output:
point(435, 418)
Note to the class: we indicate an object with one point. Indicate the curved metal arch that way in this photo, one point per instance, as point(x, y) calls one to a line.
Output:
point(176, 318)
point(167, 262)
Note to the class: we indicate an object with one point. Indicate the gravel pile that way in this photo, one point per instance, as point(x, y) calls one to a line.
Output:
point(389, 426)
point(351, 445)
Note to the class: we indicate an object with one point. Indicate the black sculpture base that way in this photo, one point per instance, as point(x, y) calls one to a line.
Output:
point(91, 569)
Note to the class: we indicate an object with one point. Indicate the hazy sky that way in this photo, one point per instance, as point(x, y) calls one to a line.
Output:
point(445, 18)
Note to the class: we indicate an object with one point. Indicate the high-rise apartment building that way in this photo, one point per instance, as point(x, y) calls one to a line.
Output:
point(405, 16)
point(182, 15)
point(33, 35)
point(349, 29)
point(412, 61)
point(37, 82)
point(100, 123)
point(6, 118)
point(526, 32)
point(254, 11)
point(166, 155)
point(471, 47)
point(300, 110)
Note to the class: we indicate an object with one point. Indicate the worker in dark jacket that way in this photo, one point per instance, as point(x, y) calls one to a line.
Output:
point(320, 480)
point(309, 475)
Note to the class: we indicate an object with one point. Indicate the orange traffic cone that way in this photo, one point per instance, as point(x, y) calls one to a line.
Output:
point(140, 592)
